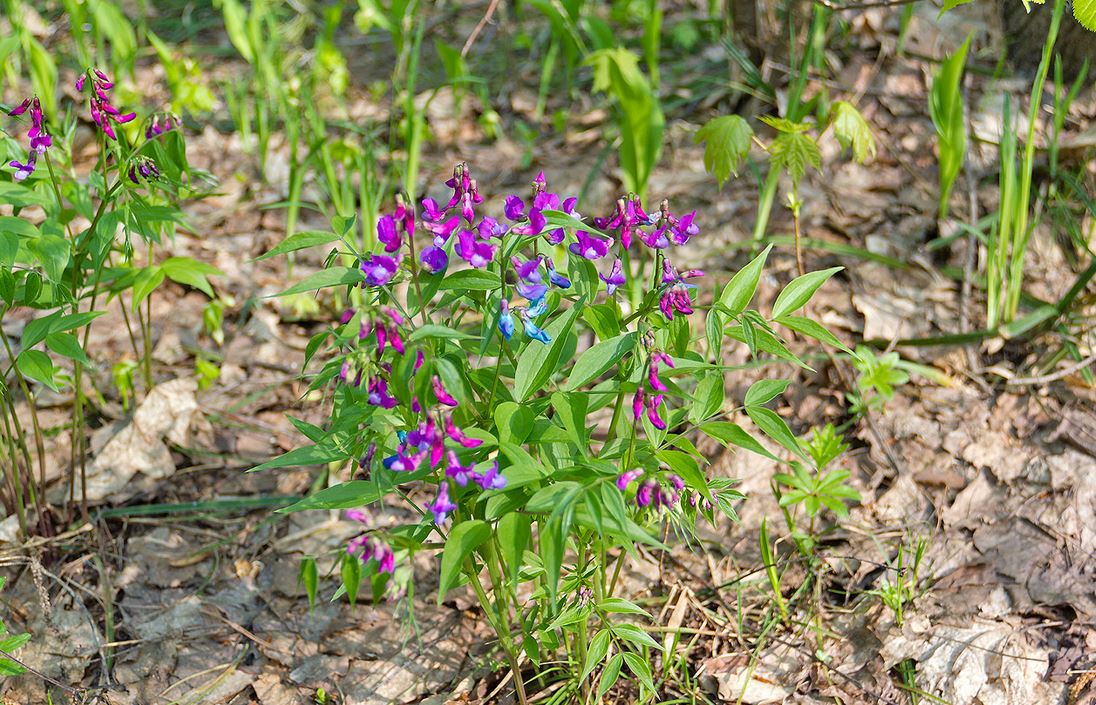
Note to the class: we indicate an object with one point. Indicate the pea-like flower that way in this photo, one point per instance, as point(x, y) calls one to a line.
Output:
point(652, 373)
point(554, 277)
point(589, 246)
point(653, 402)
point(491, 478)
point(456, 472)
point(506, 319)
point(627, 478)
point(474, 251)
point(457, 435)
point(530, 280)
point(434, 259)
point(533, 330)
point(40, 140)
point(103, 113)
point(441, 394)
point(161, 123)
point(442, 506)
point(379, 269)
point(615, 279)
point(143, 169)
point(387, 233)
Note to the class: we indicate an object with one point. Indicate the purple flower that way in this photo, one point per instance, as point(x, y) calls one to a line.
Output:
point(440, 392)
point(102, 112)
point(431, 211)
point(615, 279)
point(379, 269)
point(683, 229)
point(367, 548)
point(442, 230)
point(491, 479)
point(627, 220)
point(457, 435)
point(388, 234)
point(652, 373)
point(378, 394)
point(441, 505)
point(627, 478)
point(652, 412)
point(402, 462)
point(506, 319)
point(489, 227)
point(589, 246)
point(555, 277)
point(537, 308)
point(40, 140)
point(529, 278)
point(676, 481)
point(639, 403)
point(656, 240)
point(475, 252)
point(676, 299)
point(143, 169)
point(514, 208)
point(22, 171)
point(434, 259)
point(646, 493)
point(460, 474)
point(156, 128)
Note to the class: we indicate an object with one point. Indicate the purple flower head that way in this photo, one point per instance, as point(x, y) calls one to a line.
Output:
point(419, 359)
point(506, 319)
point(676, 298)
point(653, 379)
point(402, 462)
point(652, 412)
point(345, 316)
point(388, 234)
point(556, 279)
point(676, 481)
point(440, 392)
point(473, 251)
point(457, 435)
point(378, 394)
point(639, 403)
point(442, 230)
point(532, 291)
point(489, 227)
point(379, 269)
point(365, 464)
point(616, 279)
point(143, 169)
point(22, 171)
point(684, 229)
point(514, 208)
point(491, 478)
point(460, 474)
point(161, 123)
point(627, 478)
point(430, 210)
point(656, 239)
point(529, 278)
point(356, 515)
point(103, 113)
point(21, 108)
point(589, 246)
point(646, 493)
point(433, 259)
point(628, 218)
point(441, 505)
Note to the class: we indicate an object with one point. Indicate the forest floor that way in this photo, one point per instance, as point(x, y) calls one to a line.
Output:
point(204, 605)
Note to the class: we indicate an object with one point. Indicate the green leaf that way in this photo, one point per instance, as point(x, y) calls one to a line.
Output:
point(309, 577)
point(38, 366)
point(20, 196)
point(146, 282)
point(538, 361)
point(595, 655)
point(433, 330)
point(610, 675)
point(640, 669)
point(726, 143)
point(53, 252)
point(348, 495)
point(618, 605)
point(599, 358)
point(571, 410)
point(513, 422)
point(741, 288)
point(946, 111)
point(764, 391)
point(686, 466)
point(775, 428)
point(470, 280)
point(465, 537)
point(36, 331)
point(299, 241)
point(19, 227)
point(604, 320)
point(708, 398)
point(351, 574)
point(812, 329)
point(794, 152)
point(333, 276)
point(305, 455)
point(1084, 11)
point(190, 272)
point(800, 290)
point(514, 534)
point(733, 434)
point(852, 130)
point(633, 634)
point(66, 345)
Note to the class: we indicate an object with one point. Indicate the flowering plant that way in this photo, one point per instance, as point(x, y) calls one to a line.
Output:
point(536, 461)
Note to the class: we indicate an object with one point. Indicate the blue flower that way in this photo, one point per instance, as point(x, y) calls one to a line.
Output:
point(506, 320)
point(535, 332)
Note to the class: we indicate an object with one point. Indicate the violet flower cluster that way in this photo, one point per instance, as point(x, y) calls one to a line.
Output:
point(368, 547)
point(40, 140)
point(103, 113)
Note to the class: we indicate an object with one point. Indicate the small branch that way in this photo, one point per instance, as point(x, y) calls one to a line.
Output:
point(479, 28)
point(1053, 376)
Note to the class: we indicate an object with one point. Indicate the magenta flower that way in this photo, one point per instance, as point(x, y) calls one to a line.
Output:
point(627, 220)
point(652, 412)
point(379, 269)
point(102, 112)
point(588, 246)
point(460, 474)
point(475, 252)
point(402, 462)
point(627, 478)
point(616, 279)
point(40, 140)
point(443, 229)
point(378, 394)
point(388, 234)
point(652, 373)
point(22, 171)
point(441, 505)
point(367, 548)
point(639, 403)
point(441, 394)
point(490, 479)
point(646, 493)
point(143, 169)
point(529, 278)
point(157, 128)
point(457, 435)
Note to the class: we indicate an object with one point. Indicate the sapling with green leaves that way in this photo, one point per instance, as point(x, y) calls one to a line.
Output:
point(494, 378)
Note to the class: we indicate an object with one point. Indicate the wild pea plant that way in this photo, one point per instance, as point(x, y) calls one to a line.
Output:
point(494, 378)
point(67, 250)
